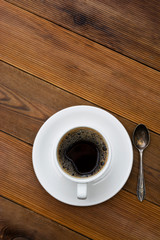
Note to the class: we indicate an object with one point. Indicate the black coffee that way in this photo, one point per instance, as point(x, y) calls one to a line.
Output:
point(82, 152)
point(84, 156)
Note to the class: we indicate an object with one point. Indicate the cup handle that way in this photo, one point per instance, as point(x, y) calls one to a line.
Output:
point(82, 191)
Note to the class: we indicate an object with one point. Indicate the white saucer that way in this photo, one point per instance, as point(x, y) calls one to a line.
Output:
point(44, 164)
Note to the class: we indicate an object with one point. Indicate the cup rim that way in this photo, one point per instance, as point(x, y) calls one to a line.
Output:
point(89, 178)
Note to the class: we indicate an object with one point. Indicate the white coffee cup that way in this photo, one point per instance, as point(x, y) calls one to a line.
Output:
point(83, 181)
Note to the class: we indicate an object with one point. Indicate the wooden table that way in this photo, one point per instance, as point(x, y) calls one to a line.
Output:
point(57, 54)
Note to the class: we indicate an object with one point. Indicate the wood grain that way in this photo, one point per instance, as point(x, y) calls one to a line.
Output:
point(25, 108)
point(122, 217)
point(129, 27)
point(80, 66)
point(29, 225)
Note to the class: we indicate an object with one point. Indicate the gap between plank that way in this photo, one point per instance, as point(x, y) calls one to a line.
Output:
point(19, 139)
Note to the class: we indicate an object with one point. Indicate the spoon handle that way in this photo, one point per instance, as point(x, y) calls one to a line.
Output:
point(141, 191)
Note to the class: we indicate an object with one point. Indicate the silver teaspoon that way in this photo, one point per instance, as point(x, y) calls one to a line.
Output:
point(141, 140)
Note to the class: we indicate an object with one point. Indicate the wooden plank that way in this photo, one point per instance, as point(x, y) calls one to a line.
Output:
point(130, 28)
point(80, 66)
point(25, 108)
point(30, 225)
point(122, 217)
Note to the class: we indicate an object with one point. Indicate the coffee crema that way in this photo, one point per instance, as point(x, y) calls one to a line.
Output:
point(82, 152)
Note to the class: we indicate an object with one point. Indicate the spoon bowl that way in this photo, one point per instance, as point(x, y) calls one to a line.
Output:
point(141, 137)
